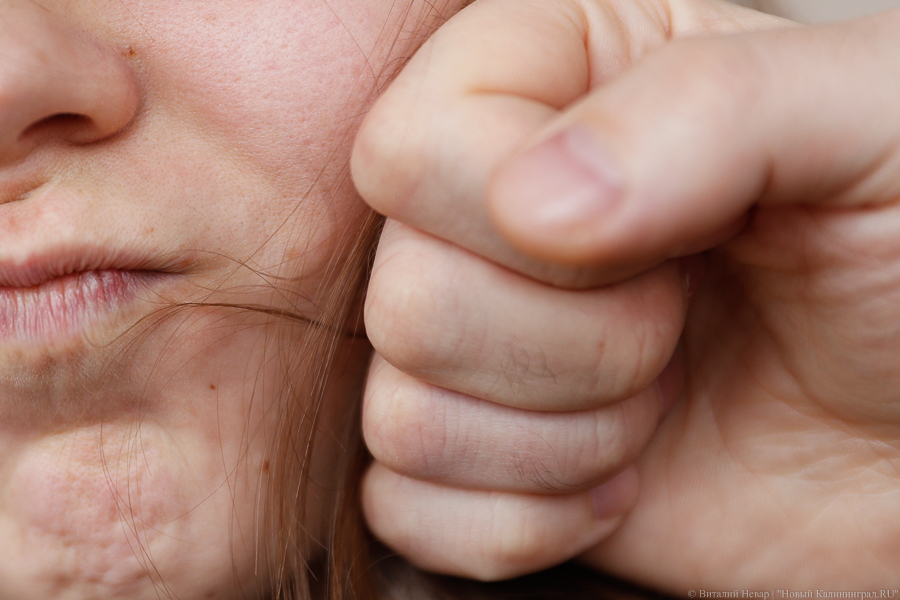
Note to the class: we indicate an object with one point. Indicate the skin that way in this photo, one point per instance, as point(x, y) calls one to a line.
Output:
point(601, 156)
point(210, 138)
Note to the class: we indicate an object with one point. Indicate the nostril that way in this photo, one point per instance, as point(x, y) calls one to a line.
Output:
point(68, 126)
point(58, 86)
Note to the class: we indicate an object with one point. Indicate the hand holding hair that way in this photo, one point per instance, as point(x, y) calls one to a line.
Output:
point(594, 147)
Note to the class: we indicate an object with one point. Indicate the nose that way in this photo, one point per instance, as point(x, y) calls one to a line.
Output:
point(56, 83)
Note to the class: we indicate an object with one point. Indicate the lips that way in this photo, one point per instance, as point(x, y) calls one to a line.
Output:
point(63, 293)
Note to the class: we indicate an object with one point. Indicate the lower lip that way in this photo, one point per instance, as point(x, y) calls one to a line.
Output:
point(65, 305)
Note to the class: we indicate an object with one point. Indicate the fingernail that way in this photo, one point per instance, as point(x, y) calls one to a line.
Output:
point(616, 495)
point(565, 180)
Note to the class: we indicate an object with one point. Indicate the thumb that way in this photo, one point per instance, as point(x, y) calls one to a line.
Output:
point(667, 159)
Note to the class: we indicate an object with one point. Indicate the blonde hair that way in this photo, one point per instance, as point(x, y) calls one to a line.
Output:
point(340, 566)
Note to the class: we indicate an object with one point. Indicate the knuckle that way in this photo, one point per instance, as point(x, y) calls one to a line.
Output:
point(402, 436)
point(568, 466)
point(398, 312)
point(387, 160)
point(595, 446)
point(521, 366)
point(534, 473)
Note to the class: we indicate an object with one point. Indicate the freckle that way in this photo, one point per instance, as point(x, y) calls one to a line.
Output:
point(265, 466)
point(128, 51)
point(212, 387)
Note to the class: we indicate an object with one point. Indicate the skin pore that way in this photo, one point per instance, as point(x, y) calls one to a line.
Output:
point(160, 153)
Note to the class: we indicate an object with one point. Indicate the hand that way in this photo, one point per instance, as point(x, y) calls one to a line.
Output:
point(498, 398)
point(779, 467)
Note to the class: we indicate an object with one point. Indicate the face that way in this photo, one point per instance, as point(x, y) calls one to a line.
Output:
point(157, 153)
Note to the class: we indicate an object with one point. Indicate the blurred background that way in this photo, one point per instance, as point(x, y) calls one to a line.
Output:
point(820, 11)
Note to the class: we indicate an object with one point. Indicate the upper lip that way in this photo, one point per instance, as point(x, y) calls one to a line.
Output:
point(54, 234)
point(46, 266)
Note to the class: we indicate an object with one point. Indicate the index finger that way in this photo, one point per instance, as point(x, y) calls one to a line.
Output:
point(478, 90)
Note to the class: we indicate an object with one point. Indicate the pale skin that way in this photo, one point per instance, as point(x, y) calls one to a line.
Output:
point(187, 152)
point(546, 201)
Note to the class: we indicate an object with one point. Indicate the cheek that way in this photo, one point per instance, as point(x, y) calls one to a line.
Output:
point(249, 110)
point(275, 83)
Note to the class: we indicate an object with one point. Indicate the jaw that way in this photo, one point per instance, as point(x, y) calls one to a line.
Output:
point(135, 471)
point(121, 511)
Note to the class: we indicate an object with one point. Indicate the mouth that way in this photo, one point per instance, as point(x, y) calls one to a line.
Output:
point(45, 300)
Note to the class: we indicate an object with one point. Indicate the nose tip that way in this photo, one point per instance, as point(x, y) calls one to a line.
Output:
point(55, 83)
